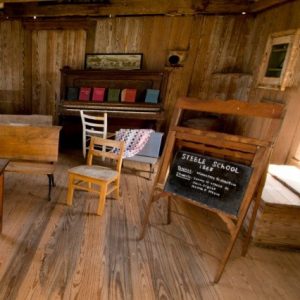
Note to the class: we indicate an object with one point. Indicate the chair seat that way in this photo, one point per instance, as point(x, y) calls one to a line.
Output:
point(96, 172)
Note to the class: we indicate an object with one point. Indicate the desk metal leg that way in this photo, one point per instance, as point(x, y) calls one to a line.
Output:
point(51, 184)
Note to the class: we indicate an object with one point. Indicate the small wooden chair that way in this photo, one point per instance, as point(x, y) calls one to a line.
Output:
point(107, 178)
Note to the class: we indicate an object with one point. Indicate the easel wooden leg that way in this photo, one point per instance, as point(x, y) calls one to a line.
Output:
point(146, 218)
point(234, 234)
point(228, 252)
point(147, 213)
point(254, 213)
point(250, 227)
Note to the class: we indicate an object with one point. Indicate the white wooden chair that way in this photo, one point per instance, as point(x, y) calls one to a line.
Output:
point(92, 125)
point(96, 178)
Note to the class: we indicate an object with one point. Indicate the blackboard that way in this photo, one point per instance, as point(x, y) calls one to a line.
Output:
point(214, 182)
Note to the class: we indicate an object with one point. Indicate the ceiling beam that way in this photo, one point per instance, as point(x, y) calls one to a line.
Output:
point(22, 1)
point(124, 8)
point(59, 24)
point(262, 5)
point(15, 8)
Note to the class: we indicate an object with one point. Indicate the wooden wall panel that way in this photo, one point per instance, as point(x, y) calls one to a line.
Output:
point(11, 67)
point(154, 37)
point(223, 57)
point(148, 35)
point(220, 70)
point(51, 50)
point(184, 36)
point(278, 19)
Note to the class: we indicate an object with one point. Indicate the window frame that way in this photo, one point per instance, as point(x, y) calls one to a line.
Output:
point(291, 37)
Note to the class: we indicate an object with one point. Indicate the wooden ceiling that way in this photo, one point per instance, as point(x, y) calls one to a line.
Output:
point(65, 8)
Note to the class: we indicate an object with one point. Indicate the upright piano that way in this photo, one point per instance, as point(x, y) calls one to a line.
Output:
point(135, 114)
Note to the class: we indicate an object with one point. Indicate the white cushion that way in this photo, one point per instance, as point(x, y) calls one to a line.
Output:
point(97, 172)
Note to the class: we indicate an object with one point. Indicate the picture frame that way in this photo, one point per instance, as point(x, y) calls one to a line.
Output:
point(114, 61)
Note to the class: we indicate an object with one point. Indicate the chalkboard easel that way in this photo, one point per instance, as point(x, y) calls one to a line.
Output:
point(217, 183)
point(217, 171)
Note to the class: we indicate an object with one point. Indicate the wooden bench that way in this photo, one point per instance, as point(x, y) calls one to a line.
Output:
point(31, 145)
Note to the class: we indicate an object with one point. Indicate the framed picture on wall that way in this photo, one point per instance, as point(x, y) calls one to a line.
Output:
point(117, 61)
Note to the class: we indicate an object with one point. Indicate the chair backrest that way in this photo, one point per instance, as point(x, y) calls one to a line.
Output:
point(94, 125)
point(152, 148)
point(109, 149)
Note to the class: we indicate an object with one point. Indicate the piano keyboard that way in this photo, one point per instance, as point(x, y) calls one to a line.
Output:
point(110, 111)
point(103, 108)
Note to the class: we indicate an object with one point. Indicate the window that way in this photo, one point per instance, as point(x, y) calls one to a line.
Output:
point(276, 71)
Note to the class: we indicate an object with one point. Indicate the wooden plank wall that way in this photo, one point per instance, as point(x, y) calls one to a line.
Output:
point(154, 37)
point(51, 50)
point(220, 69)
point(278, 19)
point(223, 56)
point(11, 67)
point(213, 44)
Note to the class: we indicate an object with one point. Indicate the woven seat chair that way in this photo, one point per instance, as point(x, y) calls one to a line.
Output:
point(106, 179)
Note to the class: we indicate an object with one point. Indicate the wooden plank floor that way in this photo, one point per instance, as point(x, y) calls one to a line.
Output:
point(51, 251)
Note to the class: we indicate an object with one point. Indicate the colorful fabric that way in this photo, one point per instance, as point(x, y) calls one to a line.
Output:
point(135, 140)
